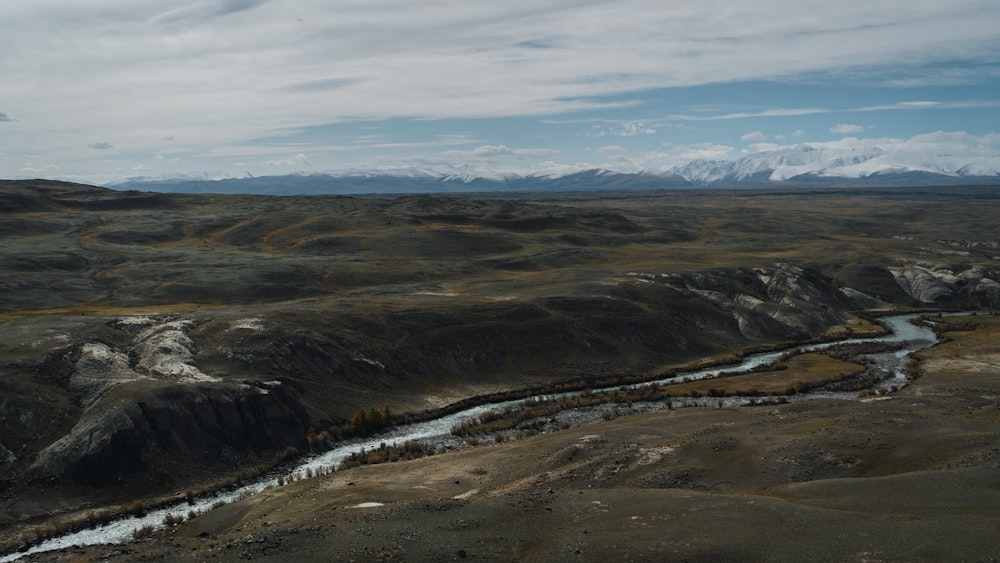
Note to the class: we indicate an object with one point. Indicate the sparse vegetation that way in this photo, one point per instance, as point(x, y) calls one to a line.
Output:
point(385, 454)
point(143, 532)
point(514, 295)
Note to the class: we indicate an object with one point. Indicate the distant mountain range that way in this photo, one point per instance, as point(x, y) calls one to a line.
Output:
point(802, 165)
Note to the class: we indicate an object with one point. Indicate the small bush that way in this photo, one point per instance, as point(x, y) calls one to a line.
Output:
point(142, 532)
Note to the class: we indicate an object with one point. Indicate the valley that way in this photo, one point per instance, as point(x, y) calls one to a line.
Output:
point(156, 343)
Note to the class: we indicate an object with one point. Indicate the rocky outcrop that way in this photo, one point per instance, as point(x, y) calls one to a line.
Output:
point(936, 284)
point(925, 285)
point(165, 351)
point(98, 369)
point(779, 302)
point(143, 431)
point(7, 457)
point(985, 293)
point(861, 300)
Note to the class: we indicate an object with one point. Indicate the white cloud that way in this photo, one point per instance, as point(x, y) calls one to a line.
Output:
point(197, 13)
point(493, 151)
point(297, 160)
point(622, 129)
point(754, 136)
point(679, 155)
point(5, 116)
point(780, 112)
point(847, 129)
point(220, 73)
point(101, 146)
point(798, 133)
point(611, 149)
point(703, 150)
point(45, 169)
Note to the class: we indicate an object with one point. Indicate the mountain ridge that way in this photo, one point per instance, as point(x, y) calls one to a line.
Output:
point(798, 165)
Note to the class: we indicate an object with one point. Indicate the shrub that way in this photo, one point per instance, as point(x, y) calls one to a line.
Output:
point(142, 532)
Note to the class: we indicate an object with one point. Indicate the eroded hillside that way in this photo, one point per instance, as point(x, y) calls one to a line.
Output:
point(151, 342)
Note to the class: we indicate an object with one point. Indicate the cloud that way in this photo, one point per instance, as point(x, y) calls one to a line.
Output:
point(798, 133)
point(322, 84)
point(102, 146)
point(4, 116)
point(620, 129)
point(493, 151)
point(203, 11)
point(611, 149)
point(847, 129)
point(708, 113)
point(297, 160)
point(679, 155)
point(781, 112)
point(222, 73)
point(754, 136)
point(46, 169)
point(955, 138)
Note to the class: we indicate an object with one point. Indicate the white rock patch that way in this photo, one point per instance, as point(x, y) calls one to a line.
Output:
point(255, 324)
point(98, 369)
point(166, 351)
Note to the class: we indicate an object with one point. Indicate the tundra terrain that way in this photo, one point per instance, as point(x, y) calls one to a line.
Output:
point(156, 343)
point(906, 477)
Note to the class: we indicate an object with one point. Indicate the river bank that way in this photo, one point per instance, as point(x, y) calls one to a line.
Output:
point(909, 477)
point(437, 437)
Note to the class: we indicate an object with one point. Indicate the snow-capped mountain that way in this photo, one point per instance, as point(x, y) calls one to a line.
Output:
point(856, 162)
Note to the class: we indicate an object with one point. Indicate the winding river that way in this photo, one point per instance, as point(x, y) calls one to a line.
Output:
point(902, 330)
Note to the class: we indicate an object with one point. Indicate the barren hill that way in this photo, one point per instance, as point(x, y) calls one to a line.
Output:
point(154, 342)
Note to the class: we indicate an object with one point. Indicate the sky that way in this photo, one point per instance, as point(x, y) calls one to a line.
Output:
point(103, 90)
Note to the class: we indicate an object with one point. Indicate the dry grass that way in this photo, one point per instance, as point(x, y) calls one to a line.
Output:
point(802, 372)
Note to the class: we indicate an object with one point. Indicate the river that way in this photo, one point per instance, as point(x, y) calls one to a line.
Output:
point(902, 330)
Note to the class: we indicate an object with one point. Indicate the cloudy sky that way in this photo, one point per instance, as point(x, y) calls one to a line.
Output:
point(105, 89)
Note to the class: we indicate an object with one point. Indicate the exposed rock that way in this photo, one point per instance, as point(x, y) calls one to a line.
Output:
point(862, 300)
point(143, 431)
point(923, 284)
point(942, 285)
point(986, 293)
point(165, 350)
point(7, 457)
point(98, 369)
point(785, 300)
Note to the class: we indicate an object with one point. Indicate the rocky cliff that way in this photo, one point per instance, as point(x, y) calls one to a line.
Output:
point(144, 432)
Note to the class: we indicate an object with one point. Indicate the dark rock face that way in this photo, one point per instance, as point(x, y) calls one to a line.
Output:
point(949, 286)
point(165, 429)
point(7, 457)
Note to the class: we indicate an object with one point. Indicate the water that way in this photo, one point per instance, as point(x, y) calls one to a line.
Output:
point(120, 531)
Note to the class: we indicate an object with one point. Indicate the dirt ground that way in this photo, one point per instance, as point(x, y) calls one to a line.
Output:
point(909, 477)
